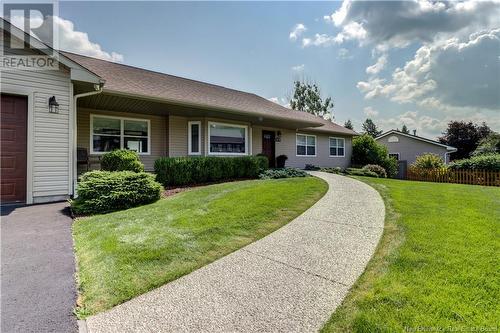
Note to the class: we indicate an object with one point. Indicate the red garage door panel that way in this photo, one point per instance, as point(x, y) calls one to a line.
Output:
point(13, 138)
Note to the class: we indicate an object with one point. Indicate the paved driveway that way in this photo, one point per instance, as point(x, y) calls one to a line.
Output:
point(290, 281)
point(38, 293)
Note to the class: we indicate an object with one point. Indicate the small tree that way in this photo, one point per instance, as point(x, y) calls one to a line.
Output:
point(307, 98)
point(370, 128)
point(348, 124)
point(428, 161)
point(405, 129)
point(488, 145)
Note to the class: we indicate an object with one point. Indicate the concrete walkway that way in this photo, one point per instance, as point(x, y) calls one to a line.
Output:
point(38, 286)
point(290, 281)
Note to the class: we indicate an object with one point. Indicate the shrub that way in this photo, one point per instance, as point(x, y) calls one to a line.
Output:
point(312, 167)
point(336, 170)
point(105, 191)
point(365, 150)
point(360, 172)
point(283, 173)
point(480, 162)
point(488, 145)
point(281, 160)
point(121, 160)
point(377, 169)
point(172, 171)
point(428, 161)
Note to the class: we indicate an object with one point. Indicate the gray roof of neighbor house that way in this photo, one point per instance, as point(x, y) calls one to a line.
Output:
point(141, 83)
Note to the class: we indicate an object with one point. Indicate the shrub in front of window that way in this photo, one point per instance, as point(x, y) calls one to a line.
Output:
point(280, 161)
point(178, 171)
point(121, 160)
point(283, 173)
point(480, 162)
point(104, 191)
point(428, 161)
point(365, 150)
point(377, 169)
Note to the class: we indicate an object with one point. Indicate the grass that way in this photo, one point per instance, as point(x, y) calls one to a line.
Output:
point(124, 254)
point(436, 267)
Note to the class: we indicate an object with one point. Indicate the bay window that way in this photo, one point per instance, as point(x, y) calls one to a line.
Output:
point(227, 139)
point(109, 133)
point(337, 147)
point(306, 145)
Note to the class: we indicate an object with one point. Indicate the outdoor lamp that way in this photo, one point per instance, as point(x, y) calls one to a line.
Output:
point(53, 105)
point(278, 136)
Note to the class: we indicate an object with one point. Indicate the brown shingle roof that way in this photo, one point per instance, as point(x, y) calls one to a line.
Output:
point(139, 82)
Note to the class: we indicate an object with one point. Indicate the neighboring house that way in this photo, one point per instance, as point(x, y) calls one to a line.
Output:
point(407, 147)
point(104, 106)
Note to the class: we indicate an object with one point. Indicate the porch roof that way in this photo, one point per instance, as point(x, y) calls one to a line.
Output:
point(136, 83)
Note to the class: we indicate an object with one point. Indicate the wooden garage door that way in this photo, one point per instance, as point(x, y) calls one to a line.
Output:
point(13, 138)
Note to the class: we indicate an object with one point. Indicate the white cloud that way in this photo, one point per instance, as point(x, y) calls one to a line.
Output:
point(297, 30)
point(281, 101)
point(425, 125)
point(72, 40)
point(344, 54)
point(370, 112)
point(454, 73)
point(378, 66)
point(319, 40)
point(298, 68)
point(398, 23)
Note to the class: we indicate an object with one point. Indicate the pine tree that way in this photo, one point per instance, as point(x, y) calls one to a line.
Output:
point(405, 129)
point(348, 124)
point(371, 129)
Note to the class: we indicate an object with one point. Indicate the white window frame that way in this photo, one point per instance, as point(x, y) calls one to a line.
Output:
point(330, 146)
point(190, 132)
point(389, 154)
point(315, 145)
point(227, 124)
point(122, 133)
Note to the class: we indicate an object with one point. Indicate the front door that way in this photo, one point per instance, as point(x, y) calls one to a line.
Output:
point(13, 140)
point(268, 147)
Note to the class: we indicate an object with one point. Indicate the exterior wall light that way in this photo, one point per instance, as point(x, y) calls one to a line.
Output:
point(278, 136)
point(53, 105)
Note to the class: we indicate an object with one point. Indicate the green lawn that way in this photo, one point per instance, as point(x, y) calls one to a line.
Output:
point(437, 265)
point(124, 254)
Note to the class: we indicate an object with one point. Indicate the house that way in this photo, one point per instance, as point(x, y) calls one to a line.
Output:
point(52, 119)
point(406, 147)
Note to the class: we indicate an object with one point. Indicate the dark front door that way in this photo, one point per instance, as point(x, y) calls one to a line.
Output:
point(13, 139)
point(268, 147)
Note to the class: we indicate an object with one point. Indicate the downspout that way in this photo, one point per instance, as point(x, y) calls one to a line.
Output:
point(98, 90)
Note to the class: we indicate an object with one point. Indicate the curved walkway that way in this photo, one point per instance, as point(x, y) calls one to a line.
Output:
point(289, 281)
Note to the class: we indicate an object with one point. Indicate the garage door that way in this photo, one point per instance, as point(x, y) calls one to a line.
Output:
point(13, 138)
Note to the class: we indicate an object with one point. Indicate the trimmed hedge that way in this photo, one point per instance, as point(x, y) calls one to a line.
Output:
point(480, 162)
point(174, 171)
point(360, 172)
point(283, 173)
point(121, 160)
point(106, 191)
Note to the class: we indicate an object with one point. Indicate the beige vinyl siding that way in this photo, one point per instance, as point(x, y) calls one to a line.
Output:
point(178, 136)
point(287, 146)
point(158, 134)
point(51, 151)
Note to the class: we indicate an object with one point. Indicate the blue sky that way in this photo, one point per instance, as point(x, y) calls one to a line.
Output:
point(247, 46)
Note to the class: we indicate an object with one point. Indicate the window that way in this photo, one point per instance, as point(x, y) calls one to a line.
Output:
point(227, 139)
point(395, 156)
point(337, 147)
point(306, 145)
point(194, 137)
point(110, 133)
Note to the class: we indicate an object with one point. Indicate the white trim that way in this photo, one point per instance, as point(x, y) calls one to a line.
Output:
point(450, 148)
point(315, 145)
point(227, 124)
point(330, 146)
point(190, 129)
point(122, 135)
point(72, 145)
point(30, 129)
point(399, 155)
